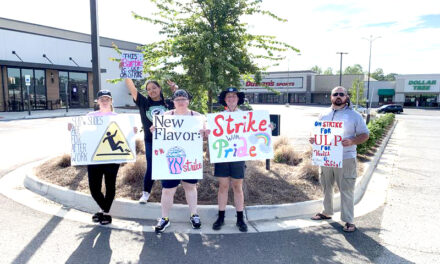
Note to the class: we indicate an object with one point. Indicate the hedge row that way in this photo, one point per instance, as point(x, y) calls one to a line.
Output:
point(377, 128)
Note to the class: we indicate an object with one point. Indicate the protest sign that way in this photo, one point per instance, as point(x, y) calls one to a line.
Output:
point(328, 149)
point(132, 65)
point(102, 139)
point(238, 136)
point(177, 147)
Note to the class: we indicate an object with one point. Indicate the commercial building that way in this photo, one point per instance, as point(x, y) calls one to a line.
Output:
point(59, 64)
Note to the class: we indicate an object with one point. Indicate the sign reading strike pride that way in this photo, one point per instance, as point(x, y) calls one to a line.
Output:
point(102, 139)
point(132, 65)
point(177, 148)
point(237, 136)
point(328, 149)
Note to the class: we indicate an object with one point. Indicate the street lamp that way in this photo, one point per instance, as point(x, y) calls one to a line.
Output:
point(340, 67)
point(371, 39)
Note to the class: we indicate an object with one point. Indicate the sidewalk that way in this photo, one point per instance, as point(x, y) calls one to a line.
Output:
point(8, 116)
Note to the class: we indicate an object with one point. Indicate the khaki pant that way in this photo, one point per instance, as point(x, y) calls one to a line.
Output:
point(345, 177)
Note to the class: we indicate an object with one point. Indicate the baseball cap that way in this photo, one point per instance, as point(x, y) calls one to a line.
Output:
point(104, 93)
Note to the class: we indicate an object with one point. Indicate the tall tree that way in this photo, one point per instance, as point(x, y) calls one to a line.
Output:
point(328, 71)
point(316, 69)
point(207, 46)
point(355, 69)
point(378, 75)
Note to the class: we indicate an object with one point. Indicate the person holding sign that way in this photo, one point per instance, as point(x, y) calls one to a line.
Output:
point(181, 102)
point(355, 132)
point(97, 171)
point(154, 104)
point(233, 172)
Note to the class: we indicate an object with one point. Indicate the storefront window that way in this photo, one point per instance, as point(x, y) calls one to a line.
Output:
point(40, 90)
point(64, 82)
point(77, 89)
point(14, 90)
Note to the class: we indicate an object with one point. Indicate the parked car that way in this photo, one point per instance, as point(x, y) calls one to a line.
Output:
point(391, 108)
point(360, 109)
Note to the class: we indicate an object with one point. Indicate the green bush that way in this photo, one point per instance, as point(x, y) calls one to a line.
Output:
point(377, 128)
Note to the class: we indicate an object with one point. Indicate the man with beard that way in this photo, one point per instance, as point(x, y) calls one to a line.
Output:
point(355, 132)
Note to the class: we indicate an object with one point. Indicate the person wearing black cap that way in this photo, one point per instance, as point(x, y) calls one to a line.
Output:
point(154, 104)
point(181, 100)
point(97, 171)
point(233, 172)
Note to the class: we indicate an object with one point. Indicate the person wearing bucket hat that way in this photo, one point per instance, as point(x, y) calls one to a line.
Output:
point(153, 104)
point(230, 172)
point(109, 171)
point(181, 99)
point(222, 96)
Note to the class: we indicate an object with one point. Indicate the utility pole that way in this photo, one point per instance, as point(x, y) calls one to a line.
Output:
point(340, 67)
point(95, 46)
point(371, 39)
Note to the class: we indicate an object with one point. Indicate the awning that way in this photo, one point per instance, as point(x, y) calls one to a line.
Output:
point(385, 92)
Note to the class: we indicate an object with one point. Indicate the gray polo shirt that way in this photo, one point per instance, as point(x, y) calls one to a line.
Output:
point(354, 125)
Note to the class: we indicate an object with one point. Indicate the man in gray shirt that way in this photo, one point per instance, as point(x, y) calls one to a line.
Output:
point(355, 133)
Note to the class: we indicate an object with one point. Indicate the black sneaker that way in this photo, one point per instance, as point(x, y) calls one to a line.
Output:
point(97, 217)
point(106, 219)
point(242, 226)
point(195, 221)
point(218, 223)
point(162, 224)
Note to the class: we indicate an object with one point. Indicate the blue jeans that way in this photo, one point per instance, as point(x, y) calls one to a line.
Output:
point(148, 182)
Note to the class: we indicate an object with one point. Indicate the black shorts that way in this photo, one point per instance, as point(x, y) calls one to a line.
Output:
point(230, 169)
point(168, 184)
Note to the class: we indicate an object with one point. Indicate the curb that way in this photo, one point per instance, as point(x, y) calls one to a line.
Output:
point(124, 208)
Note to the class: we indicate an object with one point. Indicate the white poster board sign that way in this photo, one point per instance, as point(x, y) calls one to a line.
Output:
point(238, 136)
point(177, 147)
point(328, 149)
point(102, 139)
point(132, 65)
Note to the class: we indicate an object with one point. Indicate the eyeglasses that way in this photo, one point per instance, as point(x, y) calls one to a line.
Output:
point(340, 94)
point(180, 100)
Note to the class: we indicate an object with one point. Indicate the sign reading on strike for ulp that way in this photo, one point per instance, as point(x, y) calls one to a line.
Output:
point(328, 149)
point(238, 136)
point(177, 147)
point(132, 65)
point(102, 139)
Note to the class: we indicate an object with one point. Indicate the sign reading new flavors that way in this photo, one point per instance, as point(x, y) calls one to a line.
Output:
point(238, 136)
point(102, 139)
point(132, 65)
point(328, 149)
point(177, 148)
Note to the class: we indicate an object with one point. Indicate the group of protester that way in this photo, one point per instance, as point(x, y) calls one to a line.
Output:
point(228, 173)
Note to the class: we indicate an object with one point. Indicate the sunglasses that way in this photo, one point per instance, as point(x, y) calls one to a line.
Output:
point(340, 94)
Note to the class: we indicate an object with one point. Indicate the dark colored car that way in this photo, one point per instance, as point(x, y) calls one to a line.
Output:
point(391, 108)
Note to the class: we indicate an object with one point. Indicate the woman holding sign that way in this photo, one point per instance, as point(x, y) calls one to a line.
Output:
point(154, 104)
point(233, 172)
point(181, 102)
point(97, 171)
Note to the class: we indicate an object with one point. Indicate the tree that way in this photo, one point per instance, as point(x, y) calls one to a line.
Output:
point(316, 69)
point(207, 46)
point(356, 89)
point(355, 69)
point(378, 75)
point(390, 77)
point(328, 71)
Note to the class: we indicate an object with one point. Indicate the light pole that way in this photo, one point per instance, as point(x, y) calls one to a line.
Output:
point(340, 67)
point(371, 39)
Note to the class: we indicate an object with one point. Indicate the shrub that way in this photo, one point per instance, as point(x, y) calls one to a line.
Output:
point(140, 146)
point(286, 154)
point(281, 141)
point(377, 128)
point(134, 172)
point(64, 161)
point(310, 171)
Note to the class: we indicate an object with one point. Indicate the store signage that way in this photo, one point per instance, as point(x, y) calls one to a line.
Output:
point(275, 83)
point(426, 85)
point(27, 79)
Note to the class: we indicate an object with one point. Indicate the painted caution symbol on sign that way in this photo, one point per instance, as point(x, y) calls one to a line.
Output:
point(113, 145)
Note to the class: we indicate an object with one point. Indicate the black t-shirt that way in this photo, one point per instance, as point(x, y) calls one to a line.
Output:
point(148, 108)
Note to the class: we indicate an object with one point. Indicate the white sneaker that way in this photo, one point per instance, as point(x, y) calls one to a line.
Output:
point(144, 198)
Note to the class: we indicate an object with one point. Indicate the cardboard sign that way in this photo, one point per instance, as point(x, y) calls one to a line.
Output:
point(132, 65)
point(238, 136)
point(328, 149)
point(177, 147)
point(102, 139)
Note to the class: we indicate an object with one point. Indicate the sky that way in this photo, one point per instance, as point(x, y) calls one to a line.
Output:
point(406, 33)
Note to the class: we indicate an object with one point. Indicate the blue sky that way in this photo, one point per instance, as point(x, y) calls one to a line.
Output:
point(408, 42)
